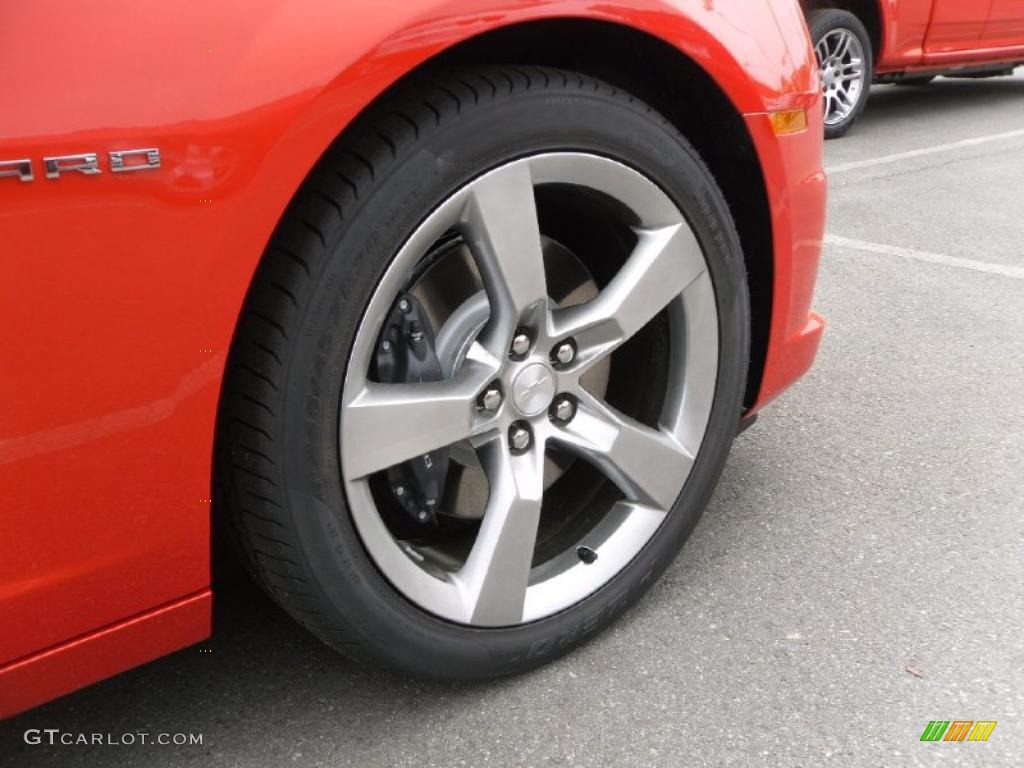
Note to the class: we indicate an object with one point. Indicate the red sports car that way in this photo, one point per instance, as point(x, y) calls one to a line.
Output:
point(447, 310)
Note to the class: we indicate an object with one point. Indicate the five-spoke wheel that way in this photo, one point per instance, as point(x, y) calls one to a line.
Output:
point(520, 388)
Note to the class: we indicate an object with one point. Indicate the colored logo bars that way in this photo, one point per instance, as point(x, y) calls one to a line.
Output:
point(958, 730)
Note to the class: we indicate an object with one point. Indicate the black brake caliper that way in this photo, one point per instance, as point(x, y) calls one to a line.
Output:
point(406, 354)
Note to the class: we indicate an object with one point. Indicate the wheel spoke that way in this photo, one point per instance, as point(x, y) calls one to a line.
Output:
point(494, 577)
point(389, 423)
point(664, 262)
point(843, 46)
point(500, 225)
point(644, 463)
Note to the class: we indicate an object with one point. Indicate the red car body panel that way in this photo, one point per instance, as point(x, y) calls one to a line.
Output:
point(1005, 25)
point(921, 35)
point(121, 291)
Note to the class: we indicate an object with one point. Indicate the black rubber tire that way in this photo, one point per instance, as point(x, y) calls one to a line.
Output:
point(277, 464)
point(826, 20)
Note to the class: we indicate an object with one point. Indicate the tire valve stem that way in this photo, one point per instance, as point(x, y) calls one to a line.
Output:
point(586, 554)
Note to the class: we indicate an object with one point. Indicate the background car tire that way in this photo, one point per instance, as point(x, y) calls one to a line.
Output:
point(278, 481)
point(826, 26)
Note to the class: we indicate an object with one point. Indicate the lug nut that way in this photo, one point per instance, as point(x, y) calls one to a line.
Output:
point(563, 409)
point(490, 399)
point(520, 343)
point(519, 436)
point(565, 352)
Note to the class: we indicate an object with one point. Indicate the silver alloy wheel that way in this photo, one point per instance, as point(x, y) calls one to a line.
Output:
point(381, 425)
point(841, 61)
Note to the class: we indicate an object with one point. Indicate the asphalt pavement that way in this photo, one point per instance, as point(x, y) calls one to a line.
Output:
point(859, 572)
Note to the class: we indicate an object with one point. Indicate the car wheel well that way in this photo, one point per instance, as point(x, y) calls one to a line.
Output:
point(866, 10)
point(626, 58)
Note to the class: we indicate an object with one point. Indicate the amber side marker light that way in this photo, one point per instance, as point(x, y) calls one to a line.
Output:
point(788, 121)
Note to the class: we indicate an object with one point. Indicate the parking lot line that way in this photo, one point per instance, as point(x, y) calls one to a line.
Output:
point(1016, 273)
point(938, 148)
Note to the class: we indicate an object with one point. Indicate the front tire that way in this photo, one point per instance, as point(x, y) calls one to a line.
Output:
point(846, 63)
point(544, 206)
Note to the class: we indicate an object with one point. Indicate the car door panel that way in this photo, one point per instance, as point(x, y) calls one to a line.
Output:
point(1005, 27)
point(956, 25)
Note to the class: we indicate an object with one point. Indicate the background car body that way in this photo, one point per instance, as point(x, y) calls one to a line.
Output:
point(121, 291)
point(938, 35)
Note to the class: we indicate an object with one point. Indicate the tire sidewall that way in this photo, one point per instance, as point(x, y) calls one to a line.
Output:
point(398, 633)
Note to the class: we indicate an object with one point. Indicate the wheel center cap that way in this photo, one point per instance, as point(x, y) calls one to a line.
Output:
point(533, 388)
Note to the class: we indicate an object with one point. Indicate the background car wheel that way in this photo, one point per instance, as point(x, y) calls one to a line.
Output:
point(487, 374)
point(846, 62)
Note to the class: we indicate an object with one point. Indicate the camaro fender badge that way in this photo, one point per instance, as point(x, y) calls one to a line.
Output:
point(87, 163)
